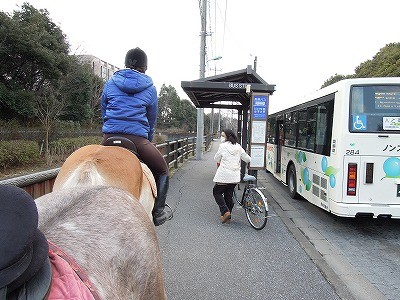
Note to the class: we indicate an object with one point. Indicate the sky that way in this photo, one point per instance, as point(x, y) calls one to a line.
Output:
point(298, 44)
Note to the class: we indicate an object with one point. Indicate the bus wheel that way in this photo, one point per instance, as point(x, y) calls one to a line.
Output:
point(292, 182)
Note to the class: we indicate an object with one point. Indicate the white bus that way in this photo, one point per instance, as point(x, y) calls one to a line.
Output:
point(340, 149)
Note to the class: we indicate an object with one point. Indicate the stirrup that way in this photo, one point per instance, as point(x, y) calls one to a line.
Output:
point(169, 214)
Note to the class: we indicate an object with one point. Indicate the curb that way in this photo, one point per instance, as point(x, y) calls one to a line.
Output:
point(346, 280)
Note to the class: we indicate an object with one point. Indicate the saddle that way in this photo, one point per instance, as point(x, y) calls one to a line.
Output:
point(122, 142)
point(126, 143)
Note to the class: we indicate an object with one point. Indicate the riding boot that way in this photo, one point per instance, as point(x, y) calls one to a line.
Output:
point(159, 213)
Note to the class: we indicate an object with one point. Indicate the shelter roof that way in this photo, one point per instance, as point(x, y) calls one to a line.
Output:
point(228, 90)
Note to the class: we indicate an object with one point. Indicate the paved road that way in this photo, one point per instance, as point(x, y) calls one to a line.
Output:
point(365, 253)
point(204, 259)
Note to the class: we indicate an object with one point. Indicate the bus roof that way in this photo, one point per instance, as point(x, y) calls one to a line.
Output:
point(342, 84)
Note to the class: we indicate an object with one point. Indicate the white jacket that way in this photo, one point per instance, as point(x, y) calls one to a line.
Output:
point(229, 156)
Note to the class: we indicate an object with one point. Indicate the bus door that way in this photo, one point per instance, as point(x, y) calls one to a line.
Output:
point(279, 138)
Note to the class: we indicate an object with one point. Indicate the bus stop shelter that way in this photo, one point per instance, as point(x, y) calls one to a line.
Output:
point(231, 90)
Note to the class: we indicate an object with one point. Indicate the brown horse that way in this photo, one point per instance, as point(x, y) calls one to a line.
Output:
point(109, 235)
point(110, 166)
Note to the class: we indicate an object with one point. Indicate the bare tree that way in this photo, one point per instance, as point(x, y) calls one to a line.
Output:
point(48, 104)
point(96, 90)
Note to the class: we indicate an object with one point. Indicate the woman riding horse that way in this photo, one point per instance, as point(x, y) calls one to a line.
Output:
point(129, 109)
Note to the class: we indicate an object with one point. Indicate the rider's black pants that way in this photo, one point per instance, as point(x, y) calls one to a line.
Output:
point(148, 153)
point(223, 196)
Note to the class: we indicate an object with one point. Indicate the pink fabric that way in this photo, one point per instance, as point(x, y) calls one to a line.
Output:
point(66, 284)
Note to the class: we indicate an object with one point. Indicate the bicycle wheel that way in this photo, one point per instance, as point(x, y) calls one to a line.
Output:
point(256, 208)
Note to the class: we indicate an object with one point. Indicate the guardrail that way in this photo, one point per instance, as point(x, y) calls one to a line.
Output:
point(174, 153)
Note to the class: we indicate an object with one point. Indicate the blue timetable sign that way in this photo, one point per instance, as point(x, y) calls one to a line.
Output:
point(260, 107)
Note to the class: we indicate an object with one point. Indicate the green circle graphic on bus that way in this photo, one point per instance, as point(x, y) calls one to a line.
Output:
point(306, 173)
point(391, 167)
point(305, 176)
point(332, 180)
point(300, 157)
point(329, 171)
point(324, 164)
point(308, 185)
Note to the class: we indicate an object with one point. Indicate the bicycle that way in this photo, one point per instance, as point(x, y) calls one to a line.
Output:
point(253, 202)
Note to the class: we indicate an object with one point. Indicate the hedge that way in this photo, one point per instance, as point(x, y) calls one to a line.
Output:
point(66, 146)
point(18, 153)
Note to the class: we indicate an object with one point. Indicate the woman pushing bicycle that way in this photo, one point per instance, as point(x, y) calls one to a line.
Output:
point(228, 157)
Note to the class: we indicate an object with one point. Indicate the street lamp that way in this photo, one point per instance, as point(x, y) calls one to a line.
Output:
point(212, 110)
point(215, 58)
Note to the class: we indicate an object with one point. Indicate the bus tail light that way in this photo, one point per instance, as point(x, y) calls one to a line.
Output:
point(351, 179)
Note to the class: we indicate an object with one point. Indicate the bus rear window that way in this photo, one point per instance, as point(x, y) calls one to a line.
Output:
point(375, 108)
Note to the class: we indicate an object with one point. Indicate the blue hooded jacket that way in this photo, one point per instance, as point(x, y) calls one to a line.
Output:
point(129, 104)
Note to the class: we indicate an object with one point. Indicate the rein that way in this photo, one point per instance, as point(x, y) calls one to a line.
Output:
point(77, 269)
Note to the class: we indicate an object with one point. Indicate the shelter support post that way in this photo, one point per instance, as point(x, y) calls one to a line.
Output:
point(239, 125)
point(244, 134)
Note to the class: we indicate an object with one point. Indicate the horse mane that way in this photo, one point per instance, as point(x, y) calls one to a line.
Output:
point(109, 234)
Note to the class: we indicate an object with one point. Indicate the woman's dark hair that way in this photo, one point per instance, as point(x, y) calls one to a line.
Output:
point(230, 136)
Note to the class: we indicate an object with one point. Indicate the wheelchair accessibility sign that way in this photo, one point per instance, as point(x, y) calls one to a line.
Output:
point(359, 122)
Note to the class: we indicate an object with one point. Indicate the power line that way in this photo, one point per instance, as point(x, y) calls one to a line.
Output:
point(223, 36)
point(226, 30)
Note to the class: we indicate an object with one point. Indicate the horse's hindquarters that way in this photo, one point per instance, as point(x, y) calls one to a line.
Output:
point(97, 165)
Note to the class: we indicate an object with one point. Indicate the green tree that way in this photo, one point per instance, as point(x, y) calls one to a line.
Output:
point(76, 86)
point(169, 108)
point(83, 89)
point(33, 55)
point(188, 121)
point(333, 79)
point(14, 98)
point(174, 113)
point(386, 63)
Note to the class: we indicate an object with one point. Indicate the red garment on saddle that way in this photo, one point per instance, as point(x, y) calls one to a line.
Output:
point(66, 284)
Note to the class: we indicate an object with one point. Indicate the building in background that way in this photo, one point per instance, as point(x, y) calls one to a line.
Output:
point(100, 67)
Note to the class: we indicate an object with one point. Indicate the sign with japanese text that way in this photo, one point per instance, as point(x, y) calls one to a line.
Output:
point(259, 107)
point(258, 129)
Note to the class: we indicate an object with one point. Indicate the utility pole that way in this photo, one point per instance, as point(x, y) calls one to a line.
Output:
point(219, 123)
point(200, 111)
point(212, 123)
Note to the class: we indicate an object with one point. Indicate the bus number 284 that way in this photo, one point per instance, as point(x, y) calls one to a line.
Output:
point(352, 152)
